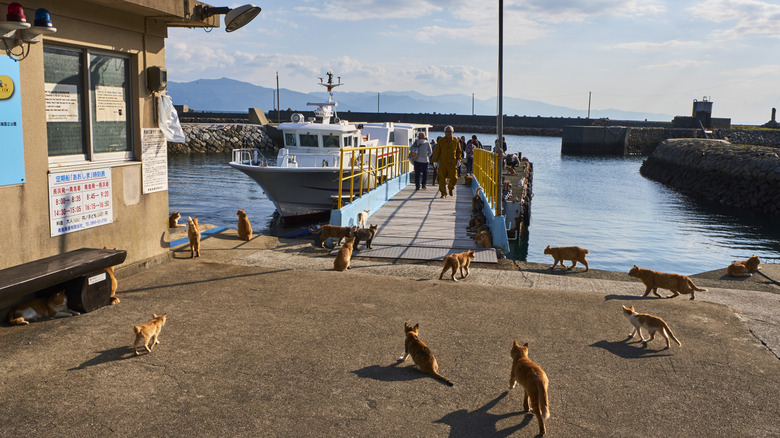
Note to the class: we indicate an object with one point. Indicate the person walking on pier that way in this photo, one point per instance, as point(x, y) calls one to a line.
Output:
point(421, 161)
point(447, 154)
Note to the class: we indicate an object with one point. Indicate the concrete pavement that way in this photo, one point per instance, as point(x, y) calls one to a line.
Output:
point(263, 340)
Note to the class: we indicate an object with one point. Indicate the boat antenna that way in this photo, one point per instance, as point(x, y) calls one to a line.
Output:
point(330, 86)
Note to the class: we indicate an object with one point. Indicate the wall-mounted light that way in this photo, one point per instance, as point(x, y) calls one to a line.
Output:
point(235, 18)
point(16, 31)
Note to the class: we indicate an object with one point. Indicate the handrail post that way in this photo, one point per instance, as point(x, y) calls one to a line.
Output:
point(341, 174)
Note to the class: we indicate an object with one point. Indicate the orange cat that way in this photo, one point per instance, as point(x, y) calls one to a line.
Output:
point(114, 284)
point(150, 330)
point(678, 284)
point(650, 323)
point(421, 354)
point(573, 253)
point(55, 306)
point(244, 227)
point(173, 220)
point(363, 218)
point(341, 263)
point(332, 232)
point(743, 268)
point(534, 382)
point(454, 261)
point(193, 232)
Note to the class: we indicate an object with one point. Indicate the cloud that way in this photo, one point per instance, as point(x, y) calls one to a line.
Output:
point(354, 10)
point(646, 46)
point(750, 17)
point(676, 65)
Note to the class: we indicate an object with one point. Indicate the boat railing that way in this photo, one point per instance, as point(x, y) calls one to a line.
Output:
point(249, 157)
point(487, 171)
point(374, 164)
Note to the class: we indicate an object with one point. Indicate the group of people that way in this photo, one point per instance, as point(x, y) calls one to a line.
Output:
point(447, 153)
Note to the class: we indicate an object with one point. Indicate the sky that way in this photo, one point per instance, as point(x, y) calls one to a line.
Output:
point(651, 56)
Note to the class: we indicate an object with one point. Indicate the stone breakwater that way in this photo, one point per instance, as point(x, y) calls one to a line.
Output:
point(203, 138)
point(745, 177)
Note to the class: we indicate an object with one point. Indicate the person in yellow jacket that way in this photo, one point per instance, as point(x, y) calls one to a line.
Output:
point(447, 154)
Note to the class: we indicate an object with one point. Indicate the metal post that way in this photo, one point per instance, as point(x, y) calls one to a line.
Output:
point(377, 102)
point(500, 118)
point(589, 104)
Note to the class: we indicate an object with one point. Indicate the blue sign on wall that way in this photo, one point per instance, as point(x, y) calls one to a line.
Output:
point(12, 144)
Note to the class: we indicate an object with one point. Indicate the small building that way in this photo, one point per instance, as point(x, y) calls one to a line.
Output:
point(82, 160)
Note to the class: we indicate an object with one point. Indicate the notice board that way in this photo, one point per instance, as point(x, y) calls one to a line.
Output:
point(12, 144)
point(79, 200)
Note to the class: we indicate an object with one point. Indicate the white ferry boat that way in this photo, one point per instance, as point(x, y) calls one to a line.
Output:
point(305, 178)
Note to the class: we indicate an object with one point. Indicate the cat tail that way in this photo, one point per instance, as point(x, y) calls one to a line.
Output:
point(544, 408)
point(443, 379)
point(136, 329)
point(694, 287)
point(671, 335)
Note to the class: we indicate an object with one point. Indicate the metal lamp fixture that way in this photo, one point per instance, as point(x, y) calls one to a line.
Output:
point(16, 31)
point(235, 18)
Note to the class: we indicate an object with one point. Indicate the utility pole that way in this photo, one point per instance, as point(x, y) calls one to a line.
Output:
point(500, 118)
point(278, 104)
point(377, 102)
point(472, 104)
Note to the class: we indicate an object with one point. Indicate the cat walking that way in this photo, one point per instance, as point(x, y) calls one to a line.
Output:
point(149, 331)
point(650, 323)
point(193, 233)
point(421, 354)
point(458, 261)
point(534, 382)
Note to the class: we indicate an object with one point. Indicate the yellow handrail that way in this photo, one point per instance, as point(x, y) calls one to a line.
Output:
point(377, 163)
point(487, 166)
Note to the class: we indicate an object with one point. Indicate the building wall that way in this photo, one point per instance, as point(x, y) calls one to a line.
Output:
point(139, 220)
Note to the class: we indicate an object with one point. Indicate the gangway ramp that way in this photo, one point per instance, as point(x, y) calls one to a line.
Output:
point(419, 225)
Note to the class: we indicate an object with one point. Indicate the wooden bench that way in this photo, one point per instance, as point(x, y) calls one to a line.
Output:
point(80, 272)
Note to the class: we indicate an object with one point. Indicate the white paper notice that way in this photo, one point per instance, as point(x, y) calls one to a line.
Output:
point(62, 103)
point(80, 200)
point(155, 160)
point(110, 104)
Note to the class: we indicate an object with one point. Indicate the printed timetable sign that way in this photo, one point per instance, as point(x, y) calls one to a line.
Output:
point(80, 200)
point(155, 161)
point(11, 138)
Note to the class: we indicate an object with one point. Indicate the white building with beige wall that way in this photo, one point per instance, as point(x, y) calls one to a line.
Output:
point(82, 159)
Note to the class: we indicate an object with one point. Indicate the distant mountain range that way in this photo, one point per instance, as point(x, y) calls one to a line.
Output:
point(232, 95)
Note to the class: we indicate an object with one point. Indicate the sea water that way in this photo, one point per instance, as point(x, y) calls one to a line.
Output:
point(599, 203)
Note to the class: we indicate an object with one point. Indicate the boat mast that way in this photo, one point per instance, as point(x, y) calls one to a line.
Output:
point(330, 86)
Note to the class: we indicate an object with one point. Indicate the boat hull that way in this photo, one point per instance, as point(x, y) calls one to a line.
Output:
point(298, 193)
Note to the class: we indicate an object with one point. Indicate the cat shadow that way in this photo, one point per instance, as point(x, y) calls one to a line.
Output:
point(391, 373)
point(105, 356)
point(629, 297)
point(628, 349)
point(480, 422)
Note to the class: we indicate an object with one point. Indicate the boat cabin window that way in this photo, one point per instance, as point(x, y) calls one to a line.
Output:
point(392, 137)
point(348, 141)
point(289, 139)
point(309, 140)
point(330, 141)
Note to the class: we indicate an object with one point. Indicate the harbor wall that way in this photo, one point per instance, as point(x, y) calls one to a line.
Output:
point(224, 137)
point(587, 140)
point(740, 176)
